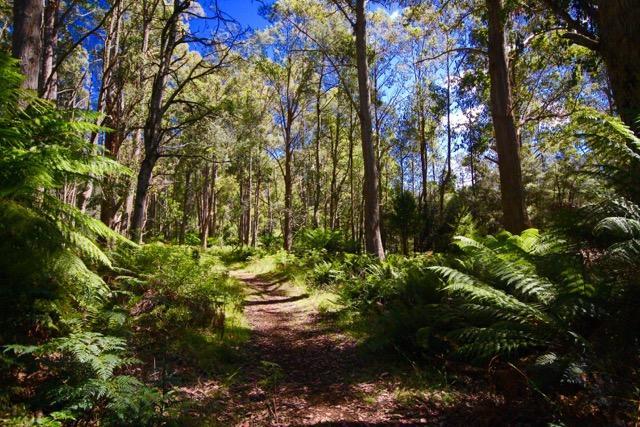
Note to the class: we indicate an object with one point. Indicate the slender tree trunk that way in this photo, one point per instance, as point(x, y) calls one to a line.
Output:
point(514, 210)
point(316, 195)
point(26, 41)
point(424, 166)
point(288, 186)
point(48, 86)
point(447, 174)
point(153, 125)
point(185, 206)
point(269, 210)
point(256, 210)
point(213, 227)
point(335, 194)
point(373, 239)
point(139, 203)
point(352, 195)
point(247, 203)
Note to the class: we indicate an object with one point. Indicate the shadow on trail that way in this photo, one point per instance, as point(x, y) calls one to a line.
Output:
point(277, 301)
point(301, 370)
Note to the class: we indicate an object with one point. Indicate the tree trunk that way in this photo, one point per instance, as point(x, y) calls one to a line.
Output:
point(334, 196)
point(352, 198)
point(619, 24)
point(316, 195)
point(26, 40)
point(214, 199)
point(269, 210)
point(142, 188)
point(373, 239)
point(111, 101)
point(256, 210)
point(153, 125)
point(48, 86)
point(247, 203)
point(185, 206)
point(288, 187)
point(424, 166)
point(514, 210)
point(447, 174)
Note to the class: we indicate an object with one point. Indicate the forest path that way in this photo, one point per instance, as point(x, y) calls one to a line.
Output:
point(301, 372)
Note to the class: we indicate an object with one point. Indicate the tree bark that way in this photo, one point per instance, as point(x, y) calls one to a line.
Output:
point(316, 195)
point(185, 206)
point(352, 198)
point(447, 173)
point(612, 31)
point(373, 239)
point(514, 210)
point(288, 186)
point(48, 86)
point(26, 39)
point(619, 23)
point(142, 188)
point(153, 125)
point(111, 101)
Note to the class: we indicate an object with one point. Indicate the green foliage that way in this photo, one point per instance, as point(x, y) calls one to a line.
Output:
point(237, 254)
point(175, 290)
point(271, 242)
point(85, 367)
point(47, 247)
point(511, 303)
point(319, 239)
point(616, 150)
point(325, 273)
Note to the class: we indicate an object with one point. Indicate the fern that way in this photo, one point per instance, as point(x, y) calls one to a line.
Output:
point(508, 307)
point(48, 248)
point(88, 365)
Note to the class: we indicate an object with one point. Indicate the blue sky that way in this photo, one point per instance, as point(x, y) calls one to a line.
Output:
point(245, 11)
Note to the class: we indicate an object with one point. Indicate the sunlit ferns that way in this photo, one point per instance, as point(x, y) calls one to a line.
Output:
point(508, 307)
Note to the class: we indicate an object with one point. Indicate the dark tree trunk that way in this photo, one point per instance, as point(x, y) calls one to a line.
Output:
point(142, 188)
point(373, 239)
point(512, 192)
point(619, 23)
point(153, 133)
point(613, 32)
point(26, 41)
point(334, 196)
point(111, 101)
point(48, 86)
point(256, 209)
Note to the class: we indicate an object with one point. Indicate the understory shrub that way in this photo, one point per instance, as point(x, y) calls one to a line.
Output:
point(320, 240)
point(174, 291)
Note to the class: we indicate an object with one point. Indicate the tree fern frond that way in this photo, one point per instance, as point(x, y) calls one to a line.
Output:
point(86, 247)
point(627, 252)
point(618, 228)
point(488, 342)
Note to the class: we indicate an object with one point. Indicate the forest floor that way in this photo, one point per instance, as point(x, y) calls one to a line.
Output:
point(302, 371)
point(299, 367)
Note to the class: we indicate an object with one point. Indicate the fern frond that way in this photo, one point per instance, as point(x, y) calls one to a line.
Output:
point(618, 228)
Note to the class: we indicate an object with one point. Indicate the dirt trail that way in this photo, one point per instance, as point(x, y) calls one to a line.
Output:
point(300, 372)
